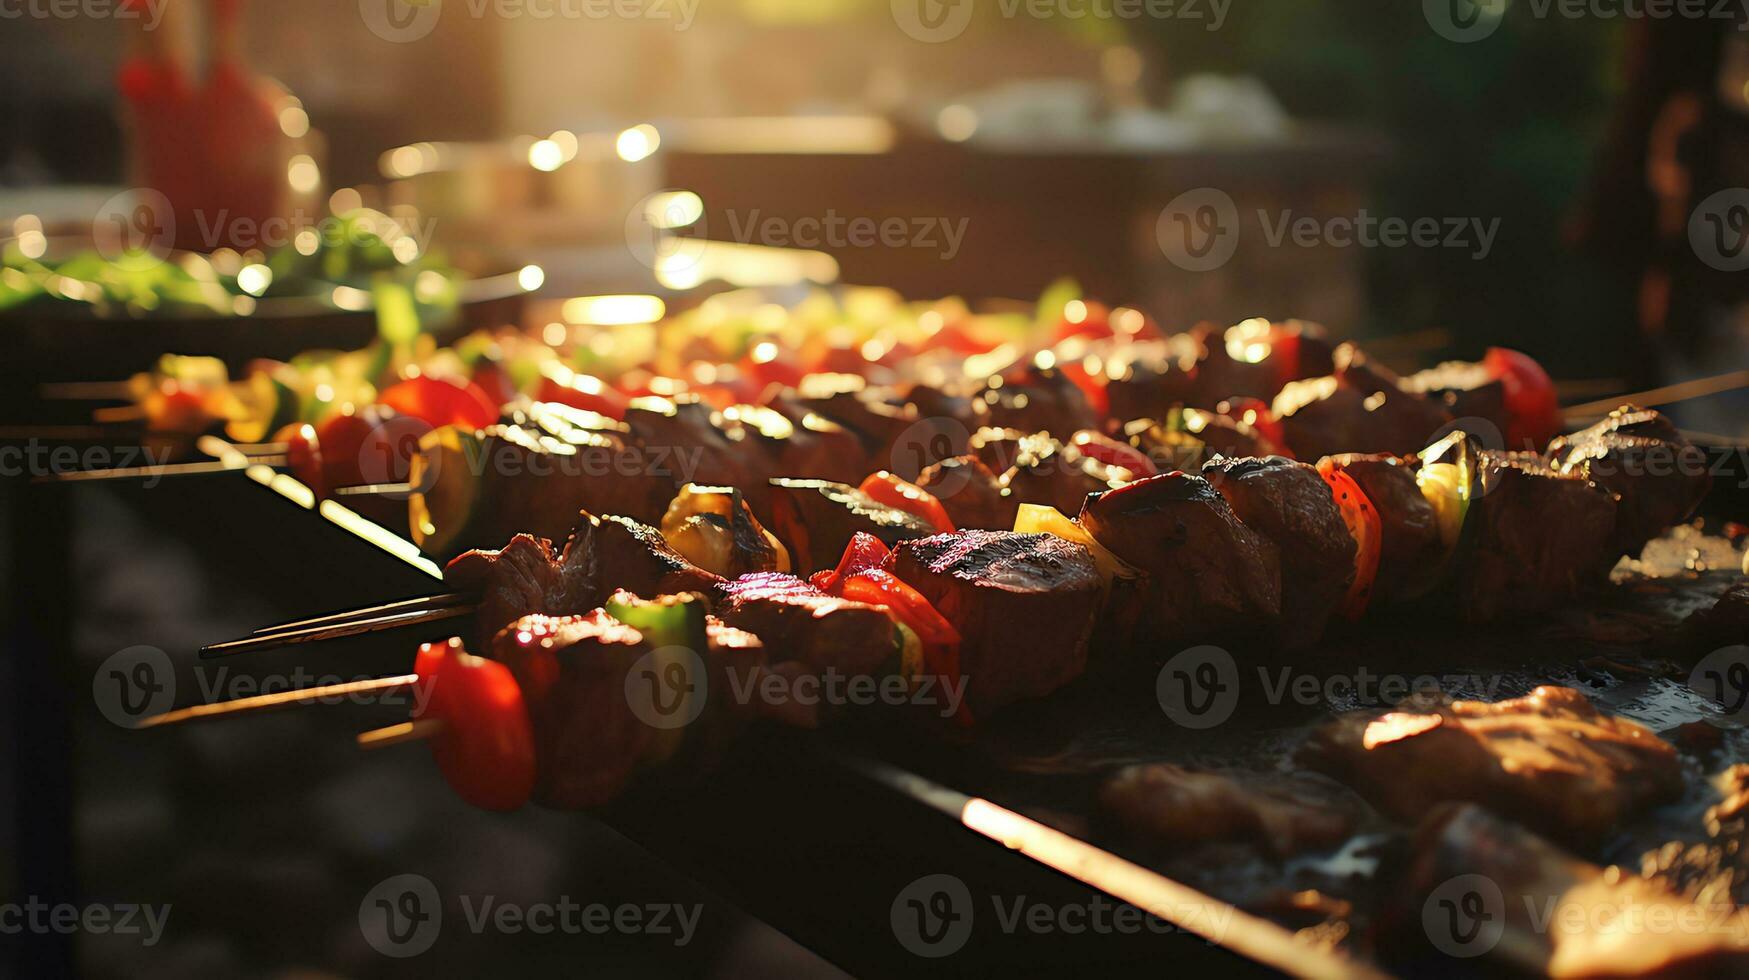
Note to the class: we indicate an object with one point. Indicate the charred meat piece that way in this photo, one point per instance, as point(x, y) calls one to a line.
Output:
point(602, 555)
point(1046, 471)
point(815, 519)
point(843, 455)
point(1190, 437)
point(1024, 605)
point(482, 487)
point(1255, 358)
point(846, 400)
point(1540, 537)
point(996, 448)
point(1035, 399)
point(1360, 408)
point(1638, 455)
point(681, 438)
point(1724, 623)
point(1147, 379)
point(1172, 808)
point(574, 672)
point(521, 578)
point(1465, 389)
point(1411, 531)
point(973, 495)
point(1207, 573)
point(809, 632)
point(1550, 760)
point(1290, 504)
point(813, 447)
point(1548, 912)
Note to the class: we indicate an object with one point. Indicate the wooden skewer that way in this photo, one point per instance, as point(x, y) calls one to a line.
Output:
point(1665, 395)
point(365, 489)
point(401, 605)
point(167, 469)
point(334, 631)
point(278, 699)
point(85, 391)
point(407, 731)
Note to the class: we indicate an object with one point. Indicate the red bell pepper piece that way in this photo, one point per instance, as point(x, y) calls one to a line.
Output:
point(1367, 530)
point(486, 745)
point(441, 403)
point(888, 489)
point(1113, 453)
point(865, 551)
point(1532, 409)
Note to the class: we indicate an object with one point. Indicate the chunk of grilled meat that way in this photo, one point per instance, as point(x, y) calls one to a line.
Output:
point(1541, 537)
point(1638, 455)
point(1046, 471)
point(1024, 605)
point(1290, 504)
point(1034, 399)
point(602, 555)
point(815, 519)
point(1171, 808)
point(972, 495)
point(1192, 438)
point(1465, 389)
point(1550, 760)
point(1207, 573)
point(1556, 915)
point(1147, 379)
point(574, 672)
point(1360, 407)
point(683, 432)
point(842, 456)
point(1410, 531)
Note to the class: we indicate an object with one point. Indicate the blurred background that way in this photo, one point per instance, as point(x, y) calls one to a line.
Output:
point(1571, 164)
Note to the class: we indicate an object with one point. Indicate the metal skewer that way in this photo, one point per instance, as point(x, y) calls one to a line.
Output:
point(370, 612)
point(334, 631)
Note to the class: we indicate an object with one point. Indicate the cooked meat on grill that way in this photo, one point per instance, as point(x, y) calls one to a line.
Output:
point(843, 455)
point(1034, 399)
point(815, 448)
point(679, 436)
point(603, 554)
point(1550, 760)
point(1255, 358)
point(1024, 605)
point(1147, 379)
point(1290, 504)
point(1207, 573)
point(996, 448)
point(1637, 454)
point(799, 622)
point(1541, 537)
point(1411, 531)
point(574, 672)
point(846, 400)
point(1724, 623)
point(972, 495)
point(1465, 389)
point(1171, 808)
point(1358, 408)
point(815, 519)
point(1048, 472)
point(1552, 914)
point(1194, 438)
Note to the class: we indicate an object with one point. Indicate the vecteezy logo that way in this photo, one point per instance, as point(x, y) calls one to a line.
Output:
point(1465, 916)
point(652, 233)
point(1718, 230)
point(932, 21)
point(1723, 678)
point(135, 228)
point(401, 916)
point(400, 21)
point(667, 687)
point(930, 440)
point(1463, 21)
point(1199, 687)
point(134, 683)
point(1199, 229)
point(932, 916)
